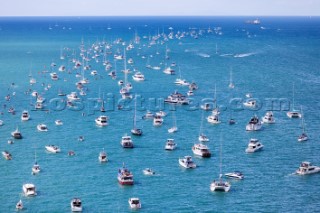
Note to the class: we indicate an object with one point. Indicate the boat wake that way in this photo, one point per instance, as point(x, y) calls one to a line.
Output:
point(242, 55)
point(227, 54)
point(203, 55)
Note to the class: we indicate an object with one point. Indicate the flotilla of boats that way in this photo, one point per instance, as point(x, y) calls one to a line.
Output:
point(125, 177)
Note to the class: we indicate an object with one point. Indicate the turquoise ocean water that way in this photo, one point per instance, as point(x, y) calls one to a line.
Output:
point(266, 60)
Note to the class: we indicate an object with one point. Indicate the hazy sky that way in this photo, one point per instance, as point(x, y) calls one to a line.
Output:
point(159, 7)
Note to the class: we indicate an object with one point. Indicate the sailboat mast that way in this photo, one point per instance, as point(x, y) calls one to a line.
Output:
point(134, 115)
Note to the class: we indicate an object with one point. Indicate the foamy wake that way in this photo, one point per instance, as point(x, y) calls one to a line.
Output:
point(203, 55)
point(242, 55)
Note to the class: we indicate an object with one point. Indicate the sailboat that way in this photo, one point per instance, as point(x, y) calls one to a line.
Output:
point(135, 130)
point(214, 117)
point(231, 84)
point(202, 137)
point(220, 185)
point(19, 205)
point(174, 128)
point(36, 167)
point(303, 136)
point(294, 113)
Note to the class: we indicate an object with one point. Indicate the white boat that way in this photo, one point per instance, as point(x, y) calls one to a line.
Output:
point(181, 82)
point(174, 127)
point(138, 76)
point(235, 175)
point(170, 144)
point(220, 185)
point(169, 71)
point(201, 150)
point(203, 138)
point(250, 103)
point(135, 130)
point(54, 76)
point(29, 189)
point(254, 145)
point(1, 122)
point(206, 106)
point(102, 120)
point(307, 168)
point(120, 82)
point(268, 118)
point(187, 162)
point(7, 155)
point(254, 124)
point(126, 141)
point(134, 203)
point(231, 84)
point(73, 96)
point(42, 127)
point(190, 93)
point(32, 81)
point(58, 122)
point(213, 118)
point(76, 205)
point(294, 113)
point(176, 98)
point(148, 115)
point(16, 134)
point(25, 115)
point(303, 136)
point(19, 205)
point(52, 148)
point(161, 113)
point(103, 156)
point(125, 177)
point(36, 167)
point(148, 171)
point(157, 121)
point(94, 72)
point(38, 106)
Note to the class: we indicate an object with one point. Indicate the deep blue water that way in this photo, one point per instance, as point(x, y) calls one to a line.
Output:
point(276, 54)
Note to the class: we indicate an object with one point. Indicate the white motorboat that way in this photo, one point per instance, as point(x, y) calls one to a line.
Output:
point(126, 141)
point(73, 96)
point(54, 76)
point(157, 121)
point(190, 93)
point(103, 156)
point(235, 175)
point(76, 205)
point(25, 115)
point(161, 113)
point(29, 189)
point(38, 106)
point(134, 203)
point(254, 145)
point(250, 103)
point(42, 127)
point(169, 71)
point(16, 134)
point(181, 82)
point(148, 115)
point(120, 82)
point(52, 148)
point(19, 205)
point(268, 118)
point(307, 168)
point(58, 122)
point(201, 150)
point(125, 177)
point(32, 81)
point(187, 162)
point(176, 98)
point(94, 72)
point(254, 124)
point(294, 114)
point(6, 155)
point(213, 118)
point(138, 76)
point(148, 171)
point(170, 144)
point(102, 120)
